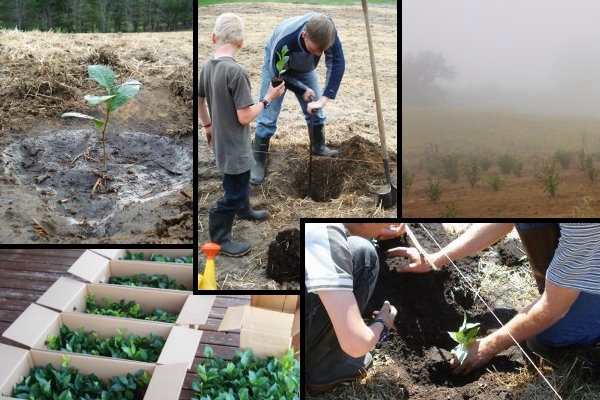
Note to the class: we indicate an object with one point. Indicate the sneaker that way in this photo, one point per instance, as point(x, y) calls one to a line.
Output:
point(334, 372)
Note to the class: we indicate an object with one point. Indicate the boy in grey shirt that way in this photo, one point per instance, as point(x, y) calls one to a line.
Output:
point(225, 108)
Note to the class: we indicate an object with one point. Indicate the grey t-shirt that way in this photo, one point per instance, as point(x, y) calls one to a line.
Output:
point(226, 87)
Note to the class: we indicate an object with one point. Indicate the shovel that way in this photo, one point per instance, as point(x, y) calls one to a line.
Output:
point(310, 146)
point(389, 198)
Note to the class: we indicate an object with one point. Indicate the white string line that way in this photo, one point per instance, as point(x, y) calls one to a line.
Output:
point(492, 312)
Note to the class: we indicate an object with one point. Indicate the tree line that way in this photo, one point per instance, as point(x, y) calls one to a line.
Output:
point(97, 15)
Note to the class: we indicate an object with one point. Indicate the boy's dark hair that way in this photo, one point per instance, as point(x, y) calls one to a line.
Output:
point(321, 31)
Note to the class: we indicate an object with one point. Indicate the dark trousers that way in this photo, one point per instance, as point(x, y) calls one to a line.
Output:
point(540, 241)
point(236, 191)
point(320, 339)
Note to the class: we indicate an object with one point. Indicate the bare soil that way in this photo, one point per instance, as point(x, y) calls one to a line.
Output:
point(346, 187)
point(518, 197)
point(53, 185)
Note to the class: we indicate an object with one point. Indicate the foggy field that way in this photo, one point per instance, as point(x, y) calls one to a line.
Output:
point(439, 146)
point(494, 131)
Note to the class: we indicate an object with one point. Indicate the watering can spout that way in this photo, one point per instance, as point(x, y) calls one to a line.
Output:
point(208, 281)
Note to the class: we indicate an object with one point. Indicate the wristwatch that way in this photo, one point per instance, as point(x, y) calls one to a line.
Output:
point(385, 334)
point(265, 103)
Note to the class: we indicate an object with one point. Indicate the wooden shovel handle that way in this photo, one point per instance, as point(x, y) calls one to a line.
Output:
point(384, 153)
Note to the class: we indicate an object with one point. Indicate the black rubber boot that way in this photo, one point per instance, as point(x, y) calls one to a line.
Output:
point(219, 229)
point(253, 215)
point(318, 142)
point(540, 242)
point(260, 149)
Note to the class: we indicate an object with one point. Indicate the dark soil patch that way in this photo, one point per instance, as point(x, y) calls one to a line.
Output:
point(65, 168)
point(429, 305)
point(283, 263)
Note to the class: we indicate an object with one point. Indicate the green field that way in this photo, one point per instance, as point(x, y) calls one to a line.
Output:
point(492, 132)
point(319, 2)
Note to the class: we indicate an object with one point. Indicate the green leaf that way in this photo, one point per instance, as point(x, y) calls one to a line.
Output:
point(103, 75)
point(123, 93)
point(95, 100)
point(98, 122)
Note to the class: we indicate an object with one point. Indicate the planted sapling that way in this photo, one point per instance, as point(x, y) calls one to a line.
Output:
point(280, 65)
point(116, 97)
point(464, 337)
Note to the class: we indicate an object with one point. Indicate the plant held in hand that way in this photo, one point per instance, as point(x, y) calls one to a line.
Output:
point(280, 65)
point(464, 337)
point(116, 97)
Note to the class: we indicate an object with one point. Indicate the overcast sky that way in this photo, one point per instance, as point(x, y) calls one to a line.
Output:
point(537, 47)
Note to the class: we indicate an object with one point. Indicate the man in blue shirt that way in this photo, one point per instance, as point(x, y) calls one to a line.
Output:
point(307, 38)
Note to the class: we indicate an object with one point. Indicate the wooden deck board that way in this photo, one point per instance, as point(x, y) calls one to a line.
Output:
point(25, 274)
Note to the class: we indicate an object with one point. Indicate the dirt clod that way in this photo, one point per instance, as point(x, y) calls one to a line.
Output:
point(283, 264)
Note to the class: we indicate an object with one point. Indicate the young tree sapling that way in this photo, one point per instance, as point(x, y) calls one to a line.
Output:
point(280, 65)
point(116, 97)
point(464, 337)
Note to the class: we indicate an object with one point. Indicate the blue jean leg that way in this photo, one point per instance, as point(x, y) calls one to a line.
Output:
point(581, 325)
point(266, 122)
point(236, 190)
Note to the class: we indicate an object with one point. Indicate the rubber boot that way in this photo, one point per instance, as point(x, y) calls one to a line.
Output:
point(219, 229)
point(318, 142)
point(260, 149)
point(253, 215)
point(540, 242)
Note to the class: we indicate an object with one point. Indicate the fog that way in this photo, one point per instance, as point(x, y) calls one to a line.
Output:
point(540, 56)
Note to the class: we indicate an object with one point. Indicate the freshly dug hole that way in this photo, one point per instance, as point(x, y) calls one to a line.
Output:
point(429, 305)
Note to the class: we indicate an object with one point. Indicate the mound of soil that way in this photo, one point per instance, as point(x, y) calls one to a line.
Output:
point(283, 264)
point(360, 164)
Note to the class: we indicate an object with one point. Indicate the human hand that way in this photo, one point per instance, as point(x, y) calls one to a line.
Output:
point(275, 92)
point(209, 135)
point(309, 95)
point(391, 232)
point(479, 355)
point(387, 313)
point(416, 261)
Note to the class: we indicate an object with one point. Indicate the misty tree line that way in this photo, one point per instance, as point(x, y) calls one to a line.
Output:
point(97, 15)
point(420, 75)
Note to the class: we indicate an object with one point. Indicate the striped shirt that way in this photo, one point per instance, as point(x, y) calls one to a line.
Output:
point(327, 258)
point(576, 263)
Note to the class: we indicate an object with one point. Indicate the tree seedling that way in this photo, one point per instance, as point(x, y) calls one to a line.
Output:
point(116, 97)
point(280, 65)
point(464, 337)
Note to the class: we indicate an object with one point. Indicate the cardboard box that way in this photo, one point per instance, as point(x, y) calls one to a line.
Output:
point(68, 295)
point(165, 382)
point(268, 325)
point(95, 268)
point(36, 323)
point(117, 254)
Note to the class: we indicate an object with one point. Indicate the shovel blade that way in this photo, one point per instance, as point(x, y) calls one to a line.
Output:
point(388, 199)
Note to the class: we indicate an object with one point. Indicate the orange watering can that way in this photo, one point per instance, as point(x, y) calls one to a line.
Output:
point(208, 281)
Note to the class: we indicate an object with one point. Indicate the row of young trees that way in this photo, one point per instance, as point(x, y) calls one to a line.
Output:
point(97, 15)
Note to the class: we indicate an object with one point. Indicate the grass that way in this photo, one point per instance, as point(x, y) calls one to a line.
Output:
point(319, 2)
point(495, 132)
